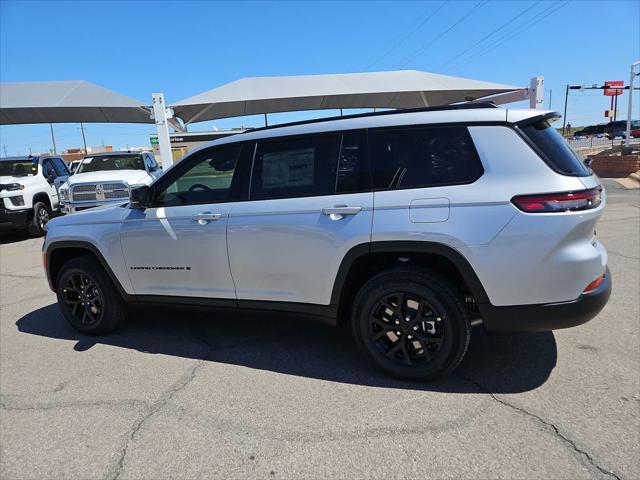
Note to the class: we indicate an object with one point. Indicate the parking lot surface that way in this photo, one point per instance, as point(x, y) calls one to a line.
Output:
point(220, 395)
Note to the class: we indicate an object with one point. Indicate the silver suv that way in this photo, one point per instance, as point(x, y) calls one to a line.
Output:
point(412, 226)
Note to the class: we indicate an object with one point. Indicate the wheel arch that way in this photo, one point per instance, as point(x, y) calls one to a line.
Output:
point(41, 197)
point(58, 253)
point(366, 260)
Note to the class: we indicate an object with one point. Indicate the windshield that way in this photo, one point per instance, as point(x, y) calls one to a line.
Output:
point(111, 162)
point(18, 168)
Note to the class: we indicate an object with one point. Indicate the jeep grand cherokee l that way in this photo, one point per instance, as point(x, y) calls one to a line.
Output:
point(411, 226)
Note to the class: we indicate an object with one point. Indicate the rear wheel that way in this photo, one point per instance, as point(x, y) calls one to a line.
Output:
point(87, 297)
point(41, 216)
point(411, 323)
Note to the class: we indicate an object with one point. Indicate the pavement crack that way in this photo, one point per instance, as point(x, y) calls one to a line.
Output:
point(114, 472)
point(546, 423)
point(611, 252)
point(7, 406)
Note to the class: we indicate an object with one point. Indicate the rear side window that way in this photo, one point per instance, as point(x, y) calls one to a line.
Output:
point(555, 151)
point(423, 157)
point(310, 166)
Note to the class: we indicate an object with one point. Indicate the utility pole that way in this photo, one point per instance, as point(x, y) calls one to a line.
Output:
point(84, 141)
point(53, 139)
point(4, 147)
point(266, 123)
point(550, 94)
point(564, 117)
point(627, 139)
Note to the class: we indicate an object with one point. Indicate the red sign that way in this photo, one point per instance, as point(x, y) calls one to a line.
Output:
point(612, 92)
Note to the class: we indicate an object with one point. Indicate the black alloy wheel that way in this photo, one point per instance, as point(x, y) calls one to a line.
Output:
point(407, 328)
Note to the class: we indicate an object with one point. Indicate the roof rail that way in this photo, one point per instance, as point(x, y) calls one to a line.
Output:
point(462, 106)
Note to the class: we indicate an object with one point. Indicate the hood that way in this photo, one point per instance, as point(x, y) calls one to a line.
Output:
point(132, 177)
point(105, 214)
point(28, 180)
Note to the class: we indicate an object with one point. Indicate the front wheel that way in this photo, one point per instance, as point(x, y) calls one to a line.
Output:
point(411, 323)
point(87, 297)
point(41, 216)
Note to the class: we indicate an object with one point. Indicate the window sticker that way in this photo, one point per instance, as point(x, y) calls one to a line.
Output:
point(290, 168)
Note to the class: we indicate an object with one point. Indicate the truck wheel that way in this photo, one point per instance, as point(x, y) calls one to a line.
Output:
point(41, 216)
point(87, 297)
point(411, 323)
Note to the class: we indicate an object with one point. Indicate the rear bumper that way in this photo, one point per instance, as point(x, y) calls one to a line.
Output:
point(10, 219)
point(547, 316)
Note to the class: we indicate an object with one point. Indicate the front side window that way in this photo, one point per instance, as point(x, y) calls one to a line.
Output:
point(101, 163)
point(47, 169)
point(423, 157)
point(209, 177)
point(310, 166)
point(59, 166)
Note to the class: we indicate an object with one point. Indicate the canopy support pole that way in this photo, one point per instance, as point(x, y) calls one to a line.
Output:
point(536, 92)
point(161, 118)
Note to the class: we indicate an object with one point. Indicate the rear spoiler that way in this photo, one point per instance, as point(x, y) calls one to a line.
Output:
point(548, 116)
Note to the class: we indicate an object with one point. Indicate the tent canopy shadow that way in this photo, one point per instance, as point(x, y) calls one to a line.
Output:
point(294, 346)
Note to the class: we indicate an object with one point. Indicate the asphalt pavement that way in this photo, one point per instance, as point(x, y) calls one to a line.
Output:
point(218, 395)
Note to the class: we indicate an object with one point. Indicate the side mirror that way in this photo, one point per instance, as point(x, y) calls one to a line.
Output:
point(51, 178)
point(140, 197)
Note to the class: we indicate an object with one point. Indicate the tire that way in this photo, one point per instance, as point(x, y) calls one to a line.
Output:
point(41, 216)
point(83, 280)
point(433, 324)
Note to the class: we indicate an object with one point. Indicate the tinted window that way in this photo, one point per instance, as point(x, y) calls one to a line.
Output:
point(59, 166)
point(423, 157)
point(310, 166)
point(207, 177)
point(556, 151)
point(47, 169)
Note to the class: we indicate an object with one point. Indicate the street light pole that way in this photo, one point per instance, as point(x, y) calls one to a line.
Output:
point(53, 139)
point(564, 117)
point(627, 140)
point(84, 141)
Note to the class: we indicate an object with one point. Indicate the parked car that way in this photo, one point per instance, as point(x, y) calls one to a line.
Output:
point(618, 129)
point(412, 226)
point(106, 179)
point(28, 191)
point(591, 130)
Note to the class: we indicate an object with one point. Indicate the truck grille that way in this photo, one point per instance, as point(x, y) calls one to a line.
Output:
point(100, 192)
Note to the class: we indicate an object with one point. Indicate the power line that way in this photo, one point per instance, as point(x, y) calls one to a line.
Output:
point(407, 35)
point(424, 48)
point(520, 29)
point(505, 25)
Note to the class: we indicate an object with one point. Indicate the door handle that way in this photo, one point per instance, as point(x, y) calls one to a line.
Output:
point(339, 211)
point(206, 217)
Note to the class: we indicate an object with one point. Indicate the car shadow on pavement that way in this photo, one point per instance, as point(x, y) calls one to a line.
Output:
point(13, 237)
point(294, 346)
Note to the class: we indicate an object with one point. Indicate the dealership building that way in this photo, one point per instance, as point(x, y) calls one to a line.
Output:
point(182, 143)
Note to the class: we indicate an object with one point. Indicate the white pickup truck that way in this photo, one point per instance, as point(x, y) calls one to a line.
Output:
point(106, 179)
point(28, 191)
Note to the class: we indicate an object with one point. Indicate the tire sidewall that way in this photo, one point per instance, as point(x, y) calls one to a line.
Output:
point(35, 228)
point(104, 324)
point(453, 322)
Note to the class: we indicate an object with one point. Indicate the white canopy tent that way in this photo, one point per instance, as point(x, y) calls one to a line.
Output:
point(67, 101)
point(396, 89)
point(80, 101)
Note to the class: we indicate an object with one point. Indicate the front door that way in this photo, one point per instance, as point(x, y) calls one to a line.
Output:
point(178, 247)
point(310, 203)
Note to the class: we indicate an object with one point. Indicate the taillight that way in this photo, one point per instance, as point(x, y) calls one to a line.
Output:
point(559, 202)
point(595, 284)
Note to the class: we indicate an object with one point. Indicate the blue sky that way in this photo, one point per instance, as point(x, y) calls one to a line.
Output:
point(206, 44)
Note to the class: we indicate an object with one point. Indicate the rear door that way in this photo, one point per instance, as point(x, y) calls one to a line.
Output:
point(310, 202)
